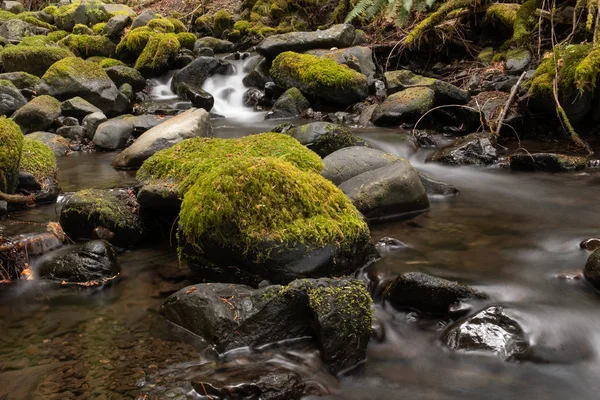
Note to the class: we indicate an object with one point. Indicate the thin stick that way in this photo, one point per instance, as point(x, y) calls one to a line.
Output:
point(414, 131)
point(511, 98)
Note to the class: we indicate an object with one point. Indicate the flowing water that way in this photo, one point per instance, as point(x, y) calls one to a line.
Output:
point(513, 235)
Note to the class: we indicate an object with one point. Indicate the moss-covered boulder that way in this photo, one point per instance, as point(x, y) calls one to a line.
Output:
point(85, 12)
point(159, 53)
point(291, 104)
point(34, 60)
point(110, 62)
point(89, 45)
point(405, 106)
point(58, 144)
point(336, 313)
point(143, 19)
point(38, 115)
point(517, 60)
point(324, 137)
point(359, 58)
point(72, 77)
point(445, 93)
point(22, 80)
point(217, 45)
point(12, 99)
point(225, 222)
point(87, 210)
point(38, 160)
point(121, 74)
point(321, 78)
point(339, 36)
point(187, 40)
point(38, 40)
point(11, 145)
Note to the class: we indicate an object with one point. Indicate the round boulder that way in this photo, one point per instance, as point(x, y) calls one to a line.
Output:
point(405, 106)
point(349, 162)
point(325, 138)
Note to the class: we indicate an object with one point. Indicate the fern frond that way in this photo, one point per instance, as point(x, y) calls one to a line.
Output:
point(375, 8)
point(358, 9)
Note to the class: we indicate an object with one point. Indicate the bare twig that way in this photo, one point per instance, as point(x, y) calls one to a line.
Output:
point(511, 98)
point(414, 131)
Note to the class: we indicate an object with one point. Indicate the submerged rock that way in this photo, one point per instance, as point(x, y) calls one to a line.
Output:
point(192, 123)
point(337, 36)
point(94, 262)
point(336, 313)
point(434, 187)
point(546, 162)
point(290, 104)
point(405, 106)
point(428, 293)
point(88, 209)
point(325, 138)
point(387, 192)
point(474, 149)
point(590, 244)
point(491, 330)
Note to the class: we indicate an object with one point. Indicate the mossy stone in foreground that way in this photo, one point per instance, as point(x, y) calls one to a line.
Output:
point(321, 78)
point(11, 145)
point(160, 50)
point(38, 160)
point(32, 59)
point(38, 114)
point(89, 209)
point(270, 219)
point(87, 45)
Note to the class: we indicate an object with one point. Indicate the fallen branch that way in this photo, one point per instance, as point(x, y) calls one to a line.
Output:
point(511, 98)
point(17, 198)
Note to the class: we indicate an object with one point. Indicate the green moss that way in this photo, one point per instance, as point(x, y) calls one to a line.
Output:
point(88, 45)
point(63, 16)
point(135, 41)
point(57, 35)
point(11, 145)
point(110, 62)
point(161, 25)
point(187, 40)
point(73, 66)
point(103, 206)
point(81, 29)
point(310, 70)
point(525, 21)
point(586, 72)
point(36, 22)
point(486, 55)
point(183, 163)
point(203, 24)
point(50, 10)
point(246, 201)
point(38, 159)
point(32, 59)
point(7, 15)
point(98, 28)
point(37, 40)
point(161, 48)
point(505, 13)
point(178, 25)
point(222, 21)
point(242, 26)
point(434, 19)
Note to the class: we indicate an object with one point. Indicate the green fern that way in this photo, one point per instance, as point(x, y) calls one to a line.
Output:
point(397, 10)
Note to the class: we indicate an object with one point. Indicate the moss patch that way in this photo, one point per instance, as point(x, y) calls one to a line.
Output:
point(11, 145)
point(103, 206)
point(57, 35)
point(74, 66)
point(187, 40)
point(525, 21)
point(161, 25)
point(88, 45)
point(38, 159)
point(37, 40)
point(32, 59)
point(110, 62)
point(246, 201)
point(505, 13)
point(161, 48)
point(569, 60)
point(177, 25)
point(81, 29)
point(135, 41)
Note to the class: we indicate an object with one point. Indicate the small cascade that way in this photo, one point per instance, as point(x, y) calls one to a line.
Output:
point(161, 88)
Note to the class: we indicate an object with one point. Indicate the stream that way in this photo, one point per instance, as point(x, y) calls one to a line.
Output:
point(514, 235)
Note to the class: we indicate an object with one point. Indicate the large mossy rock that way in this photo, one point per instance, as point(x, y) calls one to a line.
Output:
point(72, 77)
point(217, 45)
point(387, 192)
point(93, 264)
point(38, 160)
point(11, 146)
point(85, 12)
point(158, 54)
point(89, 45)
point(38, 115)
point(228, 232)
point(445, 93)
point(35, 60)
point(88, 209)
point(325, 138)
point(22, 80)
point(336, 313)
point(349, 162)
point(359, 58)
point(474, 149)
point(58, 144)
point(200, 70)
point(190, 124)
point(121, 74)
point(337, 36)
point(405, 106)
point(321, 78)
point(11, 98)
point(291, 104)
point(428, 293)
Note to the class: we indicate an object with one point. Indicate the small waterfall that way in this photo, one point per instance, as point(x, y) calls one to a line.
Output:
point(161, 88)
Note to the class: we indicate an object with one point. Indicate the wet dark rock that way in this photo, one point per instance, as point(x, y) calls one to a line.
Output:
point(236, 56)
point(183, 59)
point(444, 92)
point(88, 209)
point(259, 75)
point(114, 133)
point(387, 245)
point(428, 293)
point(114, 27)
point(336, 313)
point(78, 108)
point(341, 118)
point(199, 70)
point(159, 197)
point(349, 162)
point(590, 244)
point(58, 144)
point(474, 149)
point(11, 98)
point(95, 261)
point(145, 122)
point(434, 187)
point(253, 97)
point(28, 182)
point(491, 330)
point(202, 51)
point(121, 74)
point(70, 121)
point(198, 97)
point(339, 36)
point(491, 104)
point(546, 162)
point(143, 19)
point(290, 104)
point(325, 138)
point(283, 127)
point(359, 58)
point(22, 80)
point(217, 45)
point(387, 192)
point(592, 269)
point(75, 133)
point(272, 91)
point(91, 122)
point(405, 106)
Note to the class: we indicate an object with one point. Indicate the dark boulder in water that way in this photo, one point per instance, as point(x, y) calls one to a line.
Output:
point(198, 97)
point(546, 162)
point(592, 269)
point(200, 70)
point(95, 261)
point(289, 105)
point(474, 149)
